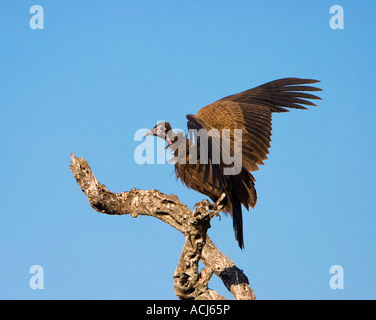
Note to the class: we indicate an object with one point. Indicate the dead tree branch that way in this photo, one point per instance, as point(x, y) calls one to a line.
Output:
point(189, 283)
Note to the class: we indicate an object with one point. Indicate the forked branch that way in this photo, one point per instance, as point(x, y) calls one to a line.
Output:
point(189, 283)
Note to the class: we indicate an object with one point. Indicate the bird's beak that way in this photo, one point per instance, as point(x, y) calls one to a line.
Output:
point(149, 133)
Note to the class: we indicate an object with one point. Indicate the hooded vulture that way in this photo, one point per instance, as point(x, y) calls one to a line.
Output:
point(230, 138)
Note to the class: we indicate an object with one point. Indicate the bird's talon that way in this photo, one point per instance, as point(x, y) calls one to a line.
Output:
point(215, 209)
point(216, 213)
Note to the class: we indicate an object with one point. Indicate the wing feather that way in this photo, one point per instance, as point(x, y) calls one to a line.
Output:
point(251, 111)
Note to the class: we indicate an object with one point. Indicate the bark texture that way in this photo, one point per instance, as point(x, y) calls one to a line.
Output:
point(189, 281)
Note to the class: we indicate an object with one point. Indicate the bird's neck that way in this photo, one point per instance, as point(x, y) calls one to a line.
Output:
point(175, 140)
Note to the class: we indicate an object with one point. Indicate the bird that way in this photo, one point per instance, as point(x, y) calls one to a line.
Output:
point(200, 161)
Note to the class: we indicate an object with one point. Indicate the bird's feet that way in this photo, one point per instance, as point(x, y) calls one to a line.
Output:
point(212, 209)
point(215, 210)
point(217, 206)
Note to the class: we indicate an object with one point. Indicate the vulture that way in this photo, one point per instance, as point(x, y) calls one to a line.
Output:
point(229, 139)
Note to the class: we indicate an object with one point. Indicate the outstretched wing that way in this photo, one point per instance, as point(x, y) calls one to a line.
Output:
point(251, 111)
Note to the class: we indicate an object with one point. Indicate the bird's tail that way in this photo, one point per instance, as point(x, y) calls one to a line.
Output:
point(237, 217)
point(242, 192)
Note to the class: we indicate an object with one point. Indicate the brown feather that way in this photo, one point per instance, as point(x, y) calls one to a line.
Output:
point(251, 111)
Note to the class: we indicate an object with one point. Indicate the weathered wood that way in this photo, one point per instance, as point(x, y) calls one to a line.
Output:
point(189, 283)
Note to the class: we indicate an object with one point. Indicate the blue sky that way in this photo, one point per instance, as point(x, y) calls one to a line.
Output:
point(99, 71)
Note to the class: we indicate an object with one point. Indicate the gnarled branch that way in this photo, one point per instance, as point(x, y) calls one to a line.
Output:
point(189, 283)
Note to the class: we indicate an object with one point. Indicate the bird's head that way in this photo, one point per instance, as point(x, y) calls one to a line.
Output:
point(163, 131)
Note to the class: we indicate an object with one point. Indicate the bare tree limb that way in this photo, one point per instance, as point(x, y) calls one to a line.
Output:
point(189, 283)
